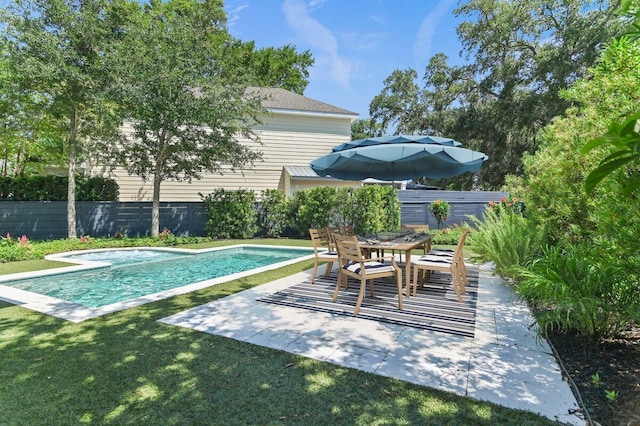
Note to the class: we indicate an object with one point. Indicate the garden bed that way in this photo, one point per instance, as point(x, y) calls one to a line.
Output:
point(613, 365)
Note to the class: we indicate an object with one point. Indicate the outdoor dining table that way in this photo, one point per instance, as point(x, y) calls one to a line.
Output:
point(405, 243)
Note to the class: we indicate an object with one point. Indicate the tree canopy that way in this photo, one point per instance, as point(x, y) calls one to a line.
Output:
point(520, 55)
point(72, 71)
point(55, 47)
point(188, 104)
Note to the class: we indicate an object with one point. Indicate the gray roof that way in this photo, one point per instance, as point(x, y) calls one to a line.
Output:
point(277, 98)
point(304, 172)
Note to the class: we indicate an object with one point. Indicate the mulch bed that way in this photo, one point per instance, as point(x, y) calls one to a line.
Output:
point(617, 362)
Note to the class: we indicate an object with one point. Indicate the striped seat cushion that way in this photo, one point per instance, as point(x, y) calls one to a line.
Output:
point(433, 260)
point(438, 252)
point(372, 267)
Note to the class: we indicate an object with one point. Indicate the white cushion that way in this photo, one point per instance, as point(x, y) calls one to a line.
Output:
point(372, 267)
point(436, 259)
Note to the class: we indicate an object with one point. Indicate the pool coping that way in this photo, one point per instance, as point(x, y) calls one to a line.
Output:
point(75, 312)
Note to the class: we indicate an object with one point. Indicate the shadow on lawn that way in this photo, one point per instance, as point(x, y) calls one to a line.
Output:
point(127, 368)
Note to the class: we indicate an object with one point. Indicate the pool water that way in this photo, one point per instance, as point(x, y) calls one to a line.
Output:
point(136, 273)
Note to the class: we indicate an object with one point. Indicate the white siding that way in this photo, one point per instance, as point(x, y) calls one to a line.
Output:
point(291, 139)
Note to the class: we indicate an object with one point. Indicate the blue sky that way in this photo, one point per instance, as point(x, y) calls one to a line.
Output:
point(356, 43)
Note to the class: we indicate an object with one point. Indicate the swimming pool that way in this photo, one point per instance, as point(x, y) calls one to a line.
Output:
point(104, 281)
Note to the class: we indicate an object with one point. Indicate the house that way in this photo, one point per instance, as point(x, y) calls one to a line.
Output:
point(297, 130)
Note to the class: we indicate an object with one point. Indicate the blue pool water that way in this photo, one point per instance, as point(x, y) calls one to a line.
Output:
point(136, 273)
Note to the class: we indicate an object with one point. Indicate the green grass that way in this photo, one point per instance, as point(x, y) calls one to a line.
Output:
point(127, 368)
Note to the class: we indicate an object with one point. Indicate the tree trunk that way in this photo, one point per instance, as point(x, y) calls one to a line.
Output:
point(155, 208)
point(71, 188)
point(158, 175)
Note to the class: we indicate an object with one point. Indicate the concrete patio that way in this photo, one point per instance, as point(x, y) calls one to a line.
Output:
point(503, 363)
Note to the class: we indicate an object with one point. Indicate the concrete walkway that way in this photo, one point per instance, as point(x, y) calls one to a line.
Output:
point(503, 364)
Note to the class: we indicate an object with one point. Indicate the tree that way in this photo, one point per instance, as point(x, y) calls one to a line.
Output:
point(554, 176)
point(366, 128)
point(623, 138)
point(281, 67)
point(188, 103)
point(29, 137)
point(56, 47)
point(520, 55)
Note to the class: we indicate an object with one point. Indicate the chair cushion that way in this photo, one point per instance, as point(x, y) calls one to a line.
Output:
point(373, 267)
point(438, 252)
point(441, 260)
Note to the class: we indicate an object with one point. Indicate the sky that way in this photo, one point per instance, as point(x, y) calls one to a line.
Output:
point(356, 44)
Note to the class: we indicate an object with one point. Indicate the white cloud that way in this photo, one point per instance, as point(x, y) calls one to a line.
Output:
point(364, 42)
point(424, 37)
point(316, 4)
point(378, 20)
point(233, 13)
point(322, 43)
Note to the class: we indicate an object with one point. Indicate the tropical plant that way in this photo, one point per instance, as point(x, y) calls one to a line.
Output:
point(554, 177)
point(581, 288)
point(507, 238)
point(624, 142)
point(623, 138)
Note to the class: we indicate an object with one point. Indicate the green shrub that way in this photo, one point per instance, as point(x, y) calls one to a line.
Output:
point(447, 236)
point(507, 238)
point(369, 209)
point(232, 214)
point(312, 208)
point(96, 188)
point(272, 218)
point(440, 209)
point(375, 209)
point(54, 188)
point(12, 249)
point(582, 288)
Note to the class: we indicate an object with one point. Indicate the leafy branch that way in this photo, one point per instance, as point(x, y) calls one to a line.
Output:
point(624, 142)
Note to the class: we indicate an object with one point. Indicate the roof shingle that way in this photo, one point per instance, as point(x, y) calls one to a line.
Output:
point(277, 98)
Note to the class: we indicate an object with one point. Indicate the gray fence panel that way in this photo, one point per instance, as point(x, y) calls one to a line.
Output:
point(414, 205)
point(44, 220)
point(38, 220)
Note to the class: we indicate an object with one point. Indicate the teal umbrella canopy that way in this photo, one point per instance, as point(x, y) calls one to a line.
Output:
point(401, 139)
point(399, 161)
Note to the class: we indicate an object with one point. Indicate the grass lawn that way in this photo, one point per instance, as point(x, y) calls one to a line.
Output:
point(127, 368)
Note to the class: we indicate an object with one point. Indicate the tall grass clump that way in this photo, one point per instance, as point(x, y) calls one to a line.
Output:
point(581, 288)
point(506, 237)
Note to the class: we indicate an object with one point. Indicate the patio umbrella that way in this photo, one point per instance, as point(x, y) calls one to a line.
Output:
point(399, 161)
point(390, 140)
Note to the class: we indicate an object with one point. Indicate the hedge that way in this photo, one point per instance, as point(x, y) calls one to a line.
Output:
point(54, 188)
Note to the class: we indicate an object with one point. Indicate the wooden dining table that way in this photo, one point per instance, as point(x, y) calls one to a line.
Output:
point(402, 243)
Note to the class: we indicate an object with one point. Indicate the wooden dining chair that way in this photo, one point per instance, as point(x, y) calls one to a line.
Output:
point(352, 264)
point(447, 254)
point(454, 264)
point(323, 249)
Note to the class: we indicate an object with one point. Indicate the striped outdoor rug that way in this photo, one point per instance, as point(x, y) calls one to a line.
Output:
point(435, 307)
